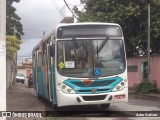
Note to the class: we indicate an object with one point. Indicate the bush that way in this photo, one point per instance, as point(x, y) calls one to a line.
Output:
point(145, 87)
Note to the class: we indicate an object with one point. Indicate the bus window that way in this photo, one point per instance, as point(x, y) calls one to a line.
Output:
point(80, 57)
point(39, 59)
point(52, 50)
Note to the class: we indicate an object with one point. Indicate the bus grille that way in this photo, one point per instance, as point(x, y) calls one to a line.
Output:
point(93, 98)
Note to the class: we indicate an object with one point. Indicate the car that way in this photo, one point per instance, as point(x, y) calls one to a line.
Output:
point(20, 78)
point(30, 80)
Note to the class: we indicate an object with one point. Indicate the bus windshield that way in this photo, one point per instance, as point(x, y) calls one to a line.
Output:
point(90, 58)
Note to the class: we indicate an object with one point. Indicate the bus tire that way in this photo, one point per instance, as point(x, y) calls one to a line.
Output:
point(105, 106)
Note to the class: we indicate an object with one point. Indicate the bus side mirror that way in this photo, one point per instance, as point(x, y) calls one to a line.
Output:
point(52, 50)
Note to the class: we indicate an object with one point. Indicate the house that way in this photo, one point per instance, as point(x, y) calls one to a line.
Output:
point(137, 70)
point(25, 67)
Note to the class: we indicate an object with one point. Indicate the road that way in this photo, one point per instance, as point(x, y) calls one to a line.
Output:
point(22, 98)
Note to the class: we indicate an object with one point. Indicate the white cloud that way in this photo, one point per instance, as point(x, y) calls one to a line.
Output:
point(38, 16)
point(41, 15)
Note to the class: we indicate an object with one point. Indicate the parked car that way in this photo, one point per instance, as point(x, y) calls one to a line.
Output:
point(20, 78)
point(30, 80)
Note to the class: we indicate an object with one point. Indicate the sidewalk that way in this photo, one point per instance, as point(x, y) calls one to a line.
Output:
point(155, 97)
point(22, 98)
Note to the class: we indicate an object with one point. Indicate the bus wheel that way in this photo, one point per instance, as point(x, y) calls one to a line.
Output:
point(105, 106)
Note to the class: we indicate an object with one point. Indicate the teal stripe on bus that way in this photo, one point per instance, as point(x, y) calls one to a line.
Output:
point(87, 89)
point(40, 81)
point(53, 85)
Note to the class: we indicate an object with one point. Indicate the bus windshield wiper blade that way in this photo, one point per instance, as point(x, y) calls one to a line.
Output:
point(102, 45)
point(98, 49)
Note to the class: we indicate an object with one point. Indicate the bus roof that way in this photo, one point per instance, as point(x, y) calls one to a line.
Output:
point(85, 23)
point(72, 24)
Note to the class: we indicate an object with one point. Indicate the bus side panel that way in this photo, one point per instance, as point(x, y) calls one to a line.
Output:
point(45, 82)
point(53, 91)
point(40, 82)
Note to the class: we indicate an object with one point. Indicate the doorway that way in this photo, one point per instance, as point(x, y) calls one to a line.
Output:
point(144, 70)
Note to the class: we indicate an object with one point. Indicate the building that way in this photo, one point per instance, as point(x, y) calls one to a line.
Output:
point(25, 67)
point(137, 70)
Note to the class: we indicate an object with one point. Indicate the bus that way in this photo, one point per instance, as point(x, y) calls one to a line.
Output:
point(81, 64)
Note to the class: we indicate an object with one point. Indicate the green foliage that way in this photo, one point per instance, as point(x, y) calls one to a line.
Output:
point(13, 20)
point(12, 45)
point(145, 87)
point(132, 15)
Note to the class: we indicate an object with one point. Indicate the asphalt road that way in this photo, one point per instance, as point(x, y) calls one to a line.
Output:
point(22, 98)
point(134, 107)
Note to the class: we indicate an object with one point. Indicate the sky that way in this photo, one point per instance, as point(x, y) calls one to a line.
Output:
point(38, 16)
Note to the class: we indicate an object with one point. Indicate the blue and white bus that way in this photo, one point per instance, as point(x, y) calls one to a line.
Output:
point(81, 64)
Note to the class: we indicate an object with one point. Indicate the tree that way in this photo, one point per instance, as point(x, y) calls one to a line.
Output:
point(13, 23)
point(12, 45)
point(132, 16)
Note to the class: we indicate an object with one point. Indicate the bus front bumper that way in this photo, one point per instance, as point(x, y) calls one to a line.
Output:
point(91, 99)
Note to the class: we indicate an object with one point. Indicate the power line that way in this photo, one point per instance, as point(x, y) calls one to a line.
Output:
point(70, 9)
point(55, 3)
point(58, 8)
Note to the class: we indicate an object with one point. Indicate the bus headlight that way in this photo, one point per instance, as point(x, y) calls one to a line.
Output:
point(65, 89)
point(120, 86)
point(63, 86)
point(69, 90)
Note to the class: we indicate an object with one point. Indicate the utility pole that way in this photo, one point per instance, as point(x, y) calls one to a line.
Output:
point(14, 63)
point(148, 66)
point(3, 56)
point(44, 33)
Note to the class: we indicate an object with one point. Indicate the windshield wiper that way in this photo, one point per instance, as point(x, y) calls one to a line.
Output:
point(102, 45)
